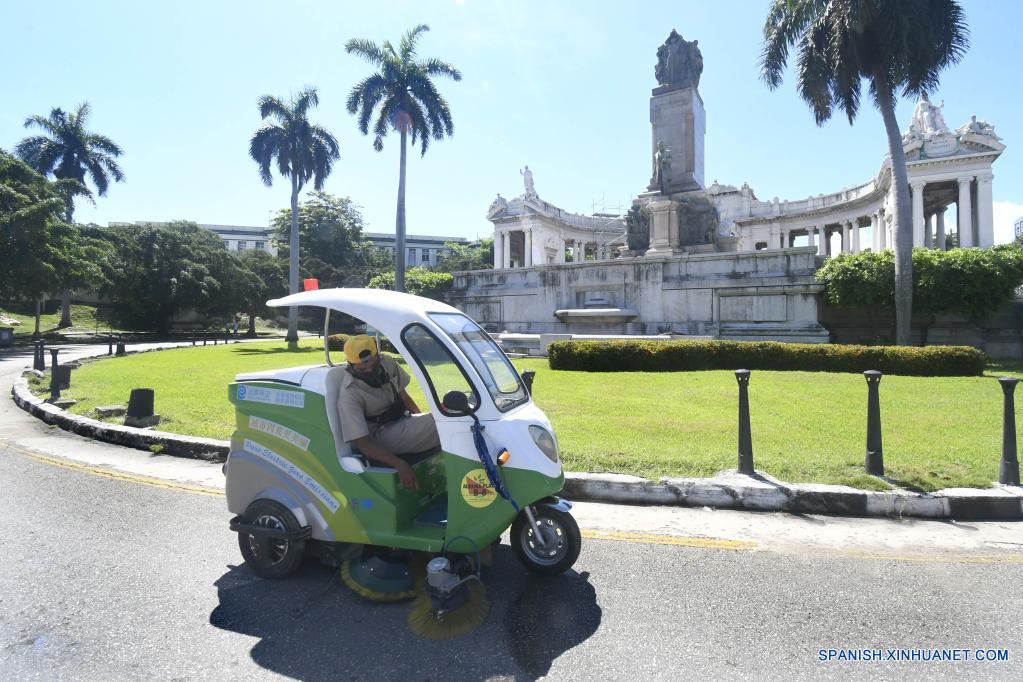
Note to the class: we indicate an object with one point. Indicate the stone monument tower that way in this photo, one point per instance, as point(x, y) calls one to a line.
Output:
point(677, 118)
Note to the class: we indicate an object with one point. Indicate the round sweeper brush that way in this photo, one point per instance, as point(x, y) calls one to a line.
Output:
point(450, 606)
point(380, 575)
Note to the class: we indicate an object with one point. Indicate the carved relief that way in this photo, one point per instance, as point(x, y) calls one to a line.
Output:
point(637, 226)
point(697, 221)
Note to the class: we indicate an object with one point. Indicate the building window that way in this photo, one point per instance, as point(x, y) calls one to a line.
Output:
point(261, 246)
point(426, 255)
point(411, 257)
point(242, 244)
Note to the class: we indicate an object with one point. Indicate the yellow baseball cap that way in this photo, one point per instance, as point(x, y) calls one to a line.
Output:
point(360, 348)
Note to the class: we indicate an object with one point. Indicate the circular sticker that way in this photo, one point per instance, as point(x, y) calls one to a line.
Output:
point(241, 393)
point(476, 489)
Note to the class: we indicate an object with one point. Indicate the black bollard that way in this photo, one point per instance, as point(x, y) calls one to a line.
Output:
point(54, 385)
point(110, 345)
point(53, 357)
point(745, 437)
point(204, 335)
point(39, 362)
point(193, 339)
point(527, 379)
point(875, 451)
point(1008, 472)
point(120, 347)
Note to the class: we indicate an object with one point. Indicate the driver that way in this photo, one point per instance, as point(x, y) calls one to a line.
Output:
point(378, 416)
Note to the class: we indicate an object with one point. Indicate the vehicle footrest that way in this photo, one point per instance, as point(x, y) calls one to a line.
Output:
point(240, 526)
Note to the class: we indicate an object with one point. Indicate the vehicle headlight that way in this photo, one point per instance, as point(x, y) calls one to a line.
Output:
point(545, 441)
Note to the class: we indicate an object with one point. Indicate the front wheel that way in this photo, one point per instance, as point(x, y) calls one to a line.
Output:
point(561, 545)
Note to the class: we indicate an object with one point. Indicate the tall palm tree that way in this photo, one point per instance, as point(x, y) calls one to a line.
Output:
point(892, 44)
point(304, 151)
point(408, 102)
point(68, 151)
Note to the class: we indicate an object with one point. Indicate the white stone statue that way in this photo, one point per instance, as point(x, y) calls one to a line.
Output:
point(978, 127)
point(527, 179)
point(498, 206)
point(928, 120)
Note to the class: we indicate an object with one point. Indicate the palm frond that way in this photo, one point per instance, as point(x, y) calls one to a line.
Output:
point(407, 50)
point(271, 106)
point(305, 100)
point(436, 67)
point(366, 49)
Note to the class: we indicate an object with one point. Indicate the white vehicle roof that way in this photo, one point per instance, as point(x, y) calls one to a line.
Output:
point(383, 309)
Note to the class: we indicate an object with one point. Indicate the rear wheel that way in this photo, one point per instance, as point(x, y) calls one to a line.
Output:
point(561, 541)
point(271, 557)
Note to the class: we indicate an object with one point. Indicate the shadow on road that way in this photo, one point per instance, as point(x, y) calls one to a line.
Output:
point(311, 627)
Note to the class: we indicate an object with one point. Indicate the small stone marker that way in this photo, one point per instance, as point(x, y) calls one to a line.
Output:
point(140, 409)
point(64, 403)
point(108, 411)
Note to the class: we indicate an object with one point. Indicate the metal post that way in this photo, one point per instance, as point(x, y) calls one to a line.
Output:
point(204, 335)
point(54, 385)
point(745, 437)
point(40, 358)
point(53, 358)
point(1008, 472)
point(120, 347)
point(110, 345)
point(193, 339)
point(527, 379)
point(875, 452)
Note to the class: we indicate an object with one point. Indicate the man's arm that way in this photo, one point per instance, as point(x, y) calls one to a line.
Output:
point(369, 447)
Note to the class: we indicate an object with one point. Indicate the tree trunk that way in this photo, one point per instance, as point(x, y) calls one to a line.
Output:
point(903, 232)
point(292, 336)
point(399, 223)
point(65, 310)
point(252, 326)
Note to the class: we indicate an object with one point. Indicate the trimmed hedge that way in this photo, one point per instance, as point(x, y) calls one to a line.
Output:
point(681, 356)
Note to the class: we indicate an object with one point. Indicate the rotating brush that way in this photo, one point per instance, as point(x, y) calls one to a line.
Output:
point(450, 606)
point(381, 576)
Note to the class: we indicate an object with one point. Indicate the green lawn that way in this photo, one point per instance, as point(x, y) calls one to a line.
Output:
point(83, 321)
point(807, 427)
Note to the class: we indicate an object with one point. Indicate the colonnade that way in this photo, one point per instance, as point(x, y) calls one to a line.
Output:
point(534, 250)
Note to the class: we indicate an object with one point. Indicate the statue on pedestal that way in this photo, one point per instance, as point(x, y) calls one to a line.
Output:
point(637, 226)
point(662, 168)
point(679, 62)
point(527, 179)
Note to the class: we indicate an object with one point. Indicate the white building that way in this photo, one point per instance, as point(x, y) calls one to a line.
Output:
point(235, 237)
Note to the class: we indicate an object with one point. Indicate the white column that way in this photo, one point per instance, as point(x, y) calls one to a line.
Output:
point(985, 212)
point(822, 241)
point(965, 213)
point(875, 238)
point(939, 235)
point(845, 238)
point(506, 251)
point(498, 250)
point(882, 231)
point(527, 248)
point(918, 213)
point(809, 236)
point(855, 226)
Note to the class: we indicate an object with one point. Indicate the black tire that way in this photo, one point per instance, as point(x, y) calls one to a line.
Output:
point(271, 558)
point(563, 537)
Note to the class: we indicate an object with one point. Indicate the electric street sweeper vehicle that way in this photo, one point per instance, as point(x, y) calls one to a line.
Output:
point(295, 484)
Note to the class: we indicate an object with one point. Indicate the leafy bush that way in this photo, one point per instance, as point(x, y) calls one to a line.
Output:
point(973, 282)
point(418, 281)
point(676, 356)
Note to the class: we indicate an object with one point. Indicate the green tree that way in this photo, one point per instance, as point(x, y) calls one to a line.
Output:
point(265, 279)
point(461, 257)
point(160, 271)
point(332, 247)
point(408, 101)
point(420, 281)
point(892, 44)
point(69, 151)
point(303, 151)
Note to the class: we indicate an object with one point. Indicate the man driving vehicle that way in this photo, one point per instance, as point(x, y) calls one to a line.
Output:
point(378, 417)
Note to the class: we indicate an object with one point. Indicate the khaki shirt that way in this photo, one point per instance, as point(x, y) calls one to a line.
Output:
point(358, 400)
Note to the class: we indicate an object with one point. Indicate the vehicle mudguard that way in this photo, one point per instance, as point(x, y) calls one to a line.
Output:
point(554, 502)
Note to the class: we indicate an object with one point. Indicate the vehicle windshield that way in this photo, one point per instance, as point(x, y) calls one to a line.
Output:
point(486, 357)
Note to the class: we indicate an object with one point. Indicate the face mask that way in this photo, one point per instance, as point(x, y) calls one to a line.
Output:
point(376, 378)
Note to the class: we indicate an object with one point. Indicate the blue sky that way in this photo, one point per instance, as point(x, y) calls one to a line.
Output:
point(560, 86)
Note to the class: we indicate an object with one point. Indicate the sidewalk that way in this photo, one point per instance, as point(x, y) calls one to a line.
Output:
point(195, 461)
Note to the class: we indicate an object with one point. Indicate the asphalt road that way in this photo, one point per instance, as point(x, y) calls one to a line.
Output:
point(104, 578)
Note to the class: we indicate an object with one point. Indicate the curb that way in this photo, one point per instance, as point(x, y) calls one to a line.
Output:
point(727, 490)
point(730, 490)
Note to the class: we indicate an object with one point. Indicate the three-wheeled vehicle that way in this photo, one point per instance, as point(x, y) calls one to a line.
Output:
point(293, 481)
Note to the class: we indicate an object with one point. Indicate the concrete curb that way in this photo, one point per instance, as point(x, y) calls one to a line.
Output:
point(727, 490)
point(730, 490)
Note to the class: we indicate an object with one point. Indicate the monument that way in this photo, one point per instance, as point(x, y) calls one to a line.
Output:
point(713, 261)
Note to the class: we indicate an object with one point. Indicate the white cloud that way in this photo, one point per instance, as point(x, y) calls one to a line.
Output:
point(1005, 214)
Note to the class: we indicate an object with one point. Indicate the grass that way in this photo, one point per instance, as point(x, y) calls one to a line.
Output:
point(83, 321)
point(807, 427)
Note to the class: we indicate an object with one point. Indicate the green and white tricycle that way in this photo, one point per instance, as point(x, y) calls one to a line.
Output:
point(294, 483)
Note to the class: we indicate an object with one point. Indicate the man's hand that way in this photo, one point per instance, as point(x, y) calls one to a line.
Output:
point(407, 476)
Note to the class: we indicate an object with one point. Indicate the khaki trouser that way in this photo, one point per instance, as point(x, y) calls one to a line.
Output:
point(414, 433)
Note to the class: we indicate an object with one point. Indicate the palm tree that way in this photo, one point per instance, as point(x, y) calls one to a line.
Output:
point(304, 151)
point(409, 102)
point(68, 151)
point(892, 44)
